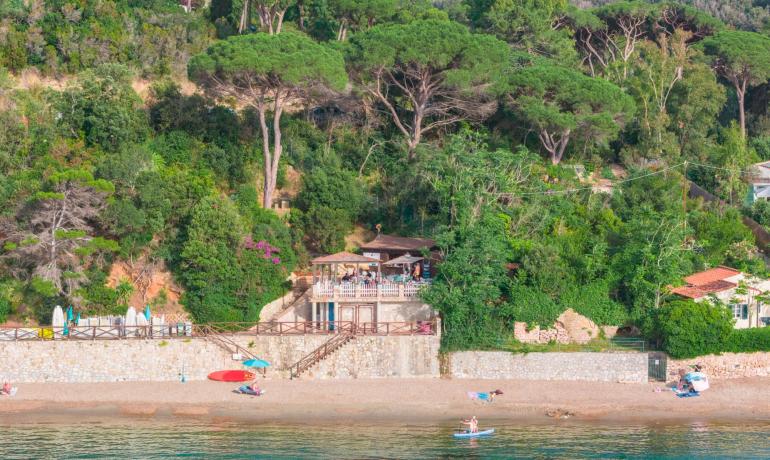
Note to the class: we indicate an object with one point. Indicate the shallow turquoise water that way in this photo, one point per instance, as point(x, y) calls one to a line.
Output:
point(152, 440)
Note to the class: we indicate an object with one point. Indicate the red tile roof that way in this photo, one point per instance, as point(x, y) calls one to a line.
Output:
point(711, 275)
point(696, 292)
point(398, 243)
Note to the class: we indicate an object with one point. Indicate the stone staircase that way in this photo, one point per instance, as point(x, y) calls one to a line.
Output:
point(329, 347)
point(227, 344)
point(301, 294)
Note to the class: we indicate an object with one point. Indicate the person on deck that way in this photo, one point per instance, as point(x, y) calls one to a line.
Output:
point(417, 273)
point(473, 424)
point(6, 390)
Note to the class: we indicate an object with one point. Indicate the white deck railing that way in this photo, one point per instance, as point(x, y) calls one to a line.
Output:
point(371, 291)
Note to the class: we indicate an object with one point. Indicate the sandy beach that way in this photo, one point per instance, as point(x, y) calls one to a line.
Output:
point(387, 400)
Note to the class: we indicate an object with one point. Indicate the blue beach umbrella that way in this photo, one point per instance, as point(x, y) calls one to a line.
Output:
point(256, 363)
point(77, 319)
point(69, 314)
point(147, 313)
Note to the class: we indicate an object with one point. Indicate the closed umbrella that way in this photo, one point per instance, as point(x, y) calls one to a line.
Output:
point(58, 317)
point(142, 322)
point(70, 316)
point(147, 314)
point(57, 321)
point(77, 319)
point(130, 320)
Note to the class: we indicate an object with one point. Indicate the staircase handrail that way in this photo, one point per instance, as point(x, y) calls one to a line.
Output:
point(325, 349)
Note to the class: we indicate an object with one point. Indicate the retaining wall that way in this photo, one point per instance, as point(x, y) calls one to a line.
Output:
point(595, 367)
point(166, 360)
point(725, 366)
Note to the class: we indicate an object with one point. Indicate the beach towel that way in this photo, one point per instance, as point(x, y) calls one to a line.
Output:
point(246, 390)
point(685, 394)
point(479, 396)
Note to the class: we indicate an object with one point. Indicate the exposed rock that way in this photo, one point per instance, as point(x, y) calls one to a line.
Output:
point(153, 284)
point(570, 327)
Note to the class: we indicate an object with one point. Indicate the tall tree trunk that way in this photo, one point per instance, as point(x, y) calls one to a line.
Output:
point(553, 145)
point(562, 146)
point(414, 139)
point(280, 16)
point(740, 90)
point(343, 31)
point(267, 190)
point(277, 146)
point(301, 15)
point(272, 156)
point(244, 16)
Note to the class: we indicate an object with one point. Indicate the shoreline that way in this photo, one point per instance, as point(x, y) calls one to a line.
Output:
point(391, 401)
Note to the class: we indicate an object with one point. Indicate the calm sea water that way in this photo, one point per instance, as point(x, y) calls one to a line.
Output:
point(153, 440)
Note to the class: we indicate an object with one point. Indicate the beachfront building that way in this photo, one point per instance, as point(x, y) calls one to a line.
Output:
point(367, 292)
point(744, 294)
point(759, 182)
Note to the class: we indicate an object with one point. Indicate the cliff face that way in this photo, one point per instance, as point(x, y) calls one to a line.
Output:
point(153, 284)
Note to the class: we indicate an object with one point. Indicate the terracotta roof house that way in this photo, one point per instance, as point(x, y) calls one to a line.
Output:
point(759, 182)
point(723, 283)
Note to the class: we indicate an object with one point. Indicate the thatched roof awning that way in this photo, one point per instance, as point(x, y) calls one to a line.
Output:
point(398, 243)
point(344, 258)
point(406, 259)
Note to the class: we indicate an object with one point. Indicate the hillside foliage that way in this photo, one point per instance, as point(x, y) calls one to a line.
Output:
point(546, 145)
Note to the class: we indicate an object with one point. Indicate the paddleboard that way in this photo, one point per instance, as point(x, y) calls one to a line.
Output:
point(232, 376)
point(474, 435)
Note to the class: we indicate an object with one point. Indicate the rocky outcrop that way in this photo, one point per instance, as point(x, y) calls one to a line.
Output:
point(570, 327)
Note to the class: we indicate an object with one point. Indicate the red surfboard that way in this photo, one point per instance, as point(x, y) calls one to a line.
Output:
point(232, 376)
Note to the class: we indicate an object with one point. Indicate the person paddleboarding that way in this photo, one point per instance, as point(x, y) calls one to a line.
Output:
point(473, 424)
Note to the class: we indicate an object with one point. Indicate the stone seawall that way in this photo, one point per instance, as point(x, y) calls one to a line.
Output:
point(594, 367)
point(725, 366)
point(167, 360)
point(363, 357)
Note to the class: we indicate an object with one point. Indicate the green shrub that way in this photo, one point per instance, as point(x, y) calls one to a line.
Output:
point(5, 309)
point(691, 329)
point(748, 340)
point(593, 301)
point(532, 306)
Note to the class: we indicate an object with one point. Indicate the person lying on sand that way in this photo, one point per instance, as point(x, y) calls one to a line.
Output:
point(492, 395)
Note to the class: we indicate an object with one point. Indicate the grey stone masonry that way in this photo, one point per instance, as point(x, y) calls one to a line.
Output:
point(593, 367)
point(167, 360)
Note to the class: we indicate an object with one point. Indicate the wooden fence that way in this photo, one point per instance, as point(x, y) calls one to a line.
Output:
point(187, 330)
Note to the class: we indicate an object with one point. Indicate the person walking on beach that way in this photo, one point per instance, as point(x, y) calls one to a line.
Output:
point(473, 424)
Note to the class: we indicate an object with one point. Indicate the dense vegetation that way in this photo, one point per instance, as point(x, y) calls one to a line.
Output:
point(545, 145)
point(688, 330)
